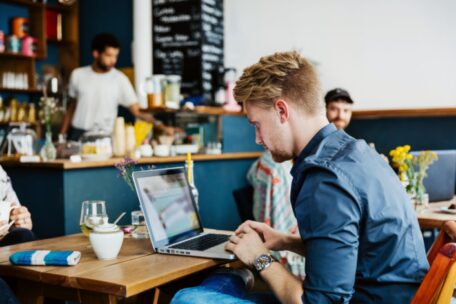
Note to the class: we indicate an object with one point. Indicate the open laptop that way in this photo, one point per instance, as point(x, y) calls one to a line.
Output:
point(171, 216)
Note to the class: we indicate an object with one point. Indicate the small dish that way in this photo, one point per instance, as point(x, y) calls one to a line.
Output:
point(95, 157)
point(447, 210)
point(184, 149)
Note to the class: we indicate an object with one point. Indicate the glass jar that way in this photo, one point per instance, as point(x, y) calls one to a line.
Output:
point(172, 91)
point(21, 141)
point(96, 145)
point(155, 88)
point(149, 90)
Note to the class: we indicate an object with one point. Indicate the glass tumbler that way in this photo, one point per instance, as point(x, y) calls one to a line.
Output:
point(138, 221)
point(93, 213)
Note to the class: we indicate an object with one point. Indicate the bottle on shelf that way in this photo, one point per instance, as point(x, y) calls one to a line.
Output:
point(191, 180)
point(31, 114)
point(21, 111)
point(13, 110)
point(2, 110)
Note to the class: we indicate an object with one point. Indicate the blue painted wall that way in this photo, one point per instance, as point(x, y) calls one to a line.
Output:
point(7, 11)
point(238, 135)
point(116, 17)
point(54, 196)
point(421, 133)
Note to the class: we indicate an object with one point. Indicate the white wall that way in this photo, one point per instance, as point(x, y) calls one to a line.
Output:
point(387, 54)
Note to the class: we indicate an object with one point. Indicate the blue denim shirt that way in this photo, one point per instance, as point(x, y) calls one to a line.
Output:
point(361, 235)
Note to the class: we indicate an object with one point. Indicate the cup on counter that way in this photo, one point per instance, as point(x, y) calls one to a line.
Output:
point(146, 150)
point(5, 210)
point(138, 221)
point(106, 241)
point(162, 150)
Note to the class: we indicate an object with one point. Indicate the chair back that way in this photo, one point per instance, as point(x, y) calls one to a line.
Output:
point(438, 284)
point(244, 202)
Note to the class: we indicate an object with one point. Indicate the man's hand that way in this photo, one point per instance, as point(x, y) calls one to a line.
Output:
point(22, 218)
point(273, 239)
point(138, 113)
point(247, 245)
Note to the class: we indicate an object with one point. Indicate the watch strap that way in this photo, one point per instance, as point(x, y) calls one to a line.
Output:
point(263, 261)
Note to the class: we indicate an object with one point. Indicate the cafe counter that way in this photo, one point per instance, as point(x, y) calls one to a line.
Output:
point(53, 191)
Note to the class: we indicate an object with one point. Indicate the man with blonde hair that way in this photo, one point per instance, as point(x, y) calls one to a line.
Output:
point(358, 231)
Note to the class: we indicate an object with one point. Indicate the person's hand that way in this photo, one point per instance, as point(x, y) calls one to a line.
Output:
point(22, 218)
point(4, 228)
point(450, 228)
point(246, 245)
point(146, 116)
point(273, 239)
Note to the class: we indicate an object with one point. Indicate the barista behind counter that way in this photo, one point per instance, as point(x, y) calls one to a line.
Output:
point(96, 91)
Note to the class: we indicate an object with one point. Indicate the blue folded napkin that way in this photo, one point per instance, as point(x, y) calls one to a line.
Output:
point(45, 257)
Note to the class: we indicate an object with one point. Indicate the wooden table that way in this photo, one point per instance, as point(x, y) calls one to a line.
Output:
point(431, 217)
point(137, 270)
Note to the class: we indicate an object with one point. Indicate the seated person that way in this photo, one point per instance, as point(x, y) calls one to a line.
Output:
point(20, 231)
point(357, 231)
point(339, 107)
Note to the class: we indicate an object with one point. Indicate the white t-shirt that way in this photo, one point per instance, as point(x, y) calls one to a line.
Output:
point(98, 95)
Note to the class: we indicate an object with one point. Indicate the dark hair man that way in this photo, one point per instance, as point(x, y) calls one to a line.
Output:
point(339, 106)
point(96, 90)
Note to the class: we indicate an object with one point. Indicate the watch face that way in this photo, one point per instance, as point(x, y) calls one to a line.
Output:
point(262, 262)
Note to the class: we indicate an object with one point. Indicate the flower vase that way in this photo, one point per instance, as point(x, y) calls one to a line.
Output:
point(48, 151)
point(420, 202)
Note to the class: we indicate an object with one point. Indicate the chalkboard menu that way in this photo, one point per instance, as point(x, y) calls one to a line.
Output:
point(188, 41)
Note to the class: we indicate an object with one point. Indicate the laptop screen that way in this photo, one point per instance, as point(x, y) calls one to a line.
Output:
point(167, 203)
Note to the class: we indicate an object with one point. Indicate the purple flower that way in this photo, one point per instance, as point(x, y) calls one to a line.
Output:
point(126, 168)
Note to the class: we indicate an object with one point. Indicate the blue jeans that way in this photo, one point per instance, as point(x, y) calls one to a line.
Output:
point(17, 236)
point(222, 289)
point(6, 294)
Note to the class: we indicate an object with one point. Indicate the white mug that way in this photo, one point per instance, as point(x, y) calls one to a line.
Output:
point(106, 241)
point(5, 211)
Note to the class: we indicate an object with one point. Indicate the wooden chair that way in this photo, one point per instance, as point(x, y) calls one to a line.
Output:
point(439, 282)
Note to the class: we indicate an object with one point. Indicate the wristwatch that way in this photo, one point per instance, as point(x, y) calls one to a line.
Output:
point(263, 261)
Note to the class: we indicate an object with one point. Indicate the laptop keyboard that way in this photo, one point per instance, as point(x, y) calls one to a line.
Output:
point(203, 242)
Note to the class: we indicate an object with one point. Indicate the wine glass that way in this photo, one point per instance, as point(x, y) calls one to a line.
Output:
point(92, 213)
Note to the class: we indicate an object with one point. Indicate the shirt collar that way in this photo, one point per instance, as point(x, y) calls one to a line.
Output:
point(314, 143)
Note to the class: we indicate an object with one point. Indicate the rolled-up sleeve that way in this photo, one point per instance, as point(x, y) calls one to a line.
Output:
point(7, 193)
point(329, 216)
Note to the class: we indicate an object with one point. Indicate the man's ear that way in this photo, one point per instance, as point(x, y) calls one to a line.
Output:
point(282, 109)
point(95, 54)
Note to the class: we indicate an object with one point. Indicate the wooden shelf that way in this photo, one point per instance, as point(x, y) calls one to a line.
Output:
point(68, 52)
point(16, 55)
point(16, 124)
point(68, 165)
point(28, 3)
point(12, 90)
point(60, 8)
point(60, 42)
point(398, 113)
point(203, 110)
